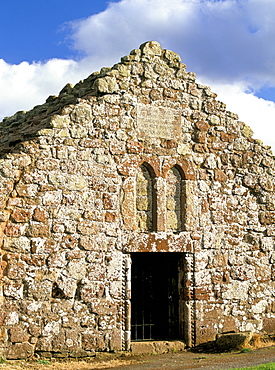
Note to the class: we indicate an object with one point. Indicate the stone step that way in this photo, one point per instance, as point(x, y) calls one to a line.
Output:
point(147, 347)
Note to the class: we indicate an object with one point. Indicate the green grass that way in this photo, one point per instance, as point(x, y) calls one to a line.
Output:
point(269, 366)
point(44, 362)
point(245, 350)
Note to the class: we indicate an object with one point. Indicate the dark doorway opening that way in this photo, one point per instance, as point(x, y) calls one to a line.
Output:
point(155, 296)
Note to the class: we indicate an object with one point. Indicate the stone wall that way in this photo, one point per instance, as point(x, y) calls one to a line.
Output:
point(136, 158)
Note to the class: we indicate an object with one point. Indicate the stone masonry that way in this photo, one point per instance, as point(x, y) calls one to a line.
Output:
point(136, 158)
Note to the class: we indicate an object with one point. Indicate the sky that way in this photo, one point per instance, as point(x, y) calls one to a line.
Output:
point(229, 44)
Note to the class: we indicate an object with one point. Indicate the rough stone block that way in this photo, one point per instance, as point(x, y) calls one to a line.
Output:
point(21, 215)
point(13, 289)
point(142, 347)
point(232, 341)
point(106, 85)
point(20, 351)
point(269, 325)
point(18, 335)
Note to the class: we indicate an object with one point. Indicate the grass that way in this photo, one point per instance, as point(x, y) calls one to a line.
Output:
point(44, 362)
point(2, 360)
point(245, 350)
point(269, 366)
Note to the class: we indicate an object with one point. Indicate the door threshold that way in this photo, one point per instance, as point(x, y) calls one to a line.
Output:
point(157, 346)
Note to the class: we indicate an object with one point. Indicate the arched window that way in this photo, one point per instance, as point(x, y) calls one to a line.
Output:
point(174, 200)
point(145, 198)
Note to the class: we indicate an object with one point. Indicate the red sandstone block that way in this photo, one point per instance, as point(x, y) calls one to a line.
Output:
point(199, 137)
point(109, 201)
point(202, 125)
point(220, 176)
point(40, 214)
point(111, 216)
point(13, 230)
point(21, 215)
point(18, 335)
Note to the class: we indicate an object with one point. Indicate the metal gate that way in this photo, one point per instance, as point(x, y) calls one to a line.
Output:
point(154, 296)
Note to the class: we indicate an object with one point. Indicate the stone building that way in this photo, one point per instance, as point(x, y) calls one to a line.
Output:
point(133, 206)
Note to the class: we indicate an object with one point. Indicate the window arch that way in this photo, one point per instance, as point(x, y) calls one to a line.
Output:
point(175, 200)
point(145, 198)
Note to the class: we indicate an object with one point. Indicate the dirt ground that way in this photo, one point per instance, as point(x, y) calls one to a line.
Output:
point(174, 361)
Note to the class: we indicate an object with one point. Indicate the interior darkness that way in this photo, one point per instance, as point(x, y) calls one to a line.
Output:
point(155, 298)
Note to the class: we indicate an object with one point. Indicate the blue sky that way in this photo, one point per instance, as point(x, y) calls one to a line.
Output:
point(229, 44)
point(34, 30)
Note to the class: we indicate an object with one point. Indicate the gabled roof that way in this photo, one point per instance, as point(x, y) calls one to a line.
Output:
point(149, 67)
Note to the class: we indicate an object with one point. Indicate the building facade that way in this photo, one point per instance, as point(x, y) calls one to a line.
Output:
point(133, 206)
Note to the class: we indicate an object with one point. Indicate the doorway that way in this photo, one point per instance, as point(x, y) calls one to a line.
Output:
point(155, 295)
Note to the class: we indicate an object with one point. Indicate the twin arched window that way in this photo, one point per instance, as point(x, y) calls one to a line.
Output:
point(146, 199)
point(174, 200)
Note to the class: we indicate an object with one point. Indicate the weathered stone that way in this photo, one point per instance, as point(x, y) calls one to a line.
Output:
point(106, 85)
point(18, 335)
point(247, 131)
point(13, 289)
point(13, 230)
point(20, 351)
point(269, 325)
point(16, 270)
point(21, 215)
point(157, 347)
point(232, 341)
point(202, 125)
point(151, 48)
point(70, 182)
point(27, 190)
point(199, 137)
point(142, 347)
point(93, 342)
point(206, 331)
point(267, 218)
point(266, 183)
point(220, 176)
point(250, 180)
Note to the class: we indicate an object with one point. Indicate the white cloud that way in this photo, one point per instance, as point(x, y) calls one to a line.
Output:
point(221, 39)
point(25, 85)
point(258, 113)
point(228, 42)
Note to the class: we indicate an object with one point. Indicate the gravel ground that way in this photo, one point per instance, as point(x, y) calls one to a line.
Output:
point(175, 361)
